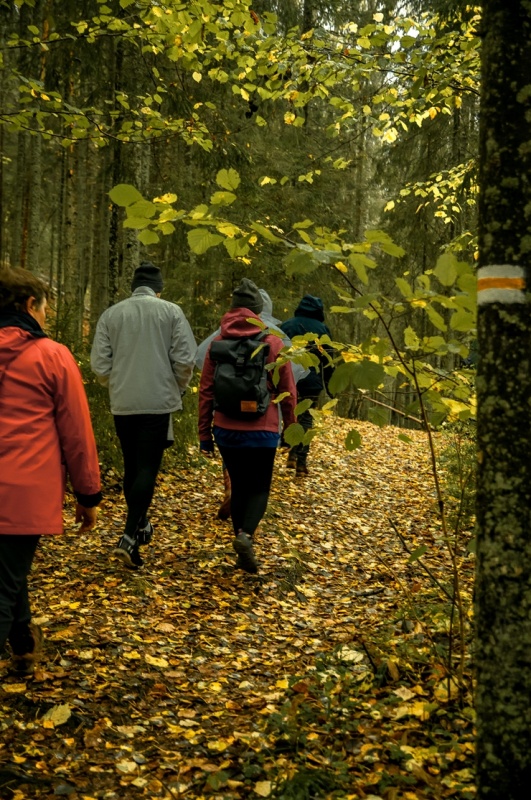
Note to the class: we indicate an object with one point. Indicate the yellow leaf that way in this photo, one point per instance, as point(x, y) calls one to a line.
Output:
point(282, 684)
point(18, 759)
point(263, 788)
point(220, 744)
point(340, 266)
point(14, 688)
point(132, 654)
point(215, 687)
point(156, 662)
point(58, 714)
point(197, 76)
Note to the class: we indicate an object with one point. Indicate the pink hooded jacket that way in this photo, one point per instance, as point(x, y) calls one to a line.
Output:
point(45, 432)
point(234, 325)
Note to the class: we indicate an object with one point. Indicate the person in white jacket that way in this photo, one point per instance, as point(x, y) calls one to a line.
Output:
point(144, 351)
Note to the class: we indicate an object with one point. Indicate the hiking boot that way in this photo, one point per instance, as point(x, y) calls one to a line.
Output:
point(127, 551)
point(301, 471)
point(24, 663)
point(244, 547)
point(291, 463)
point(144, 535)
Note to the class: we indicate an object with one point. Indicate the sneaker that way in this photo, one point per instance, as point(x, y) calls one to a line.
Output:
point(127, 551)
point(144, 535)
point(24, 664)
point(244, 547)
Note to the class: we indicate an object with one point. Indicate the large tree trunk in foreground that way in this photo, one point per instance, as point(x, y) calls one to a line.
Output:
point(503, 596)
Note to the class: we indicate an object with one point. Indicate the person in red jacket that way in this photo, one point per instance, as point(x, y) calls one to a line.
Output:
point(247, 446)
point(45, 433)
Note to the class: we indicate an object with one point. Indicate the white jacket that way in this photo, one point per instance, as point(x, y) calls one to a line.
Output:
point(144, 350)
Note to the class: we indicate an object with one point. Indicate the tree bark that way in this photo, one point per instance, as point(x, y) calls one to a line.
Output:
point(503, 588)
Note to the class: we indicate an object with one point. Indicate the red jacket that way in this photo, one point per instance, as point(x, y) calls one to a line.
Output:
point(234, 325)
point(45, 432)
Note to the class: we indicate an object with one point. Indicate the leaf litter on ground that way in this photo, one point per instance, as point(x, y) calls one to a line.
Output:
point(325, 675)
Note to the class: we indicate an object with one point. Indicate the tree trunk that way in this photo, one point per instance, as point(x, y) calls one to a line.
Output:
point(503, 590)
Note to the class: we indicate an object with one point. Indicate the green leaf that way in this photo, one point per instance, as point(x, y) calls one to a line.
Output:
point(228, 179)
point(418, 553)
point(303, 406)
point(265, 232)
point(142, 208)
point(378, 416)
point(222, 198)
point(148, 237)
point(411, 340)
point(137, 223)
point(446, 269)
point(294, 434)
point(300, 262)
point(341, 378)
point(201, 239)
point(404, 287)
point(367, 374)
point(405, 438)
point(353, 440)
point(123, 194)
point(435, 318)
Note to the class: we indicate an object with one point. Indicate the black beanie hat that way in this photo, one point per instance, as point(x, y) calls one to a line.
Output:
point(147, 274)
point(247, 295)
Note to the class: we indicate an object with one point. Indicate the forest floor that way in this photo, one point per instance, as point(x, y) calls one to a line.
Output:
point(324, 676)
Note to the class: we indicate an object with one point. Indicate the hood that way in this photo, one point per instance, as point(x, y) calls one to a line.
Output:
point(234, 324)
point(266, 314)
point(13, 342)
point(312, 307)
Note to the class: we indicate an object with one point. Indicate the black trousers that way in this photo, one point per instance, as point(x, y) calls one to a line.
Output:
point(143, 438)
point(251, 471)
point(300, 451)
point(16, 557)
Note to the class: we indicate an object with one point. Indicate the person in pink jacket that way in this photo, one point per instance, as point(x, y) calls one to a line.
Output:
point(45, 434)
point(247, 446)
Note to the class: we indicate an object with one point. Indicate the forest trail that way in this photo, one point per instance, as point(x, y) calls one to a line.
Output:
point(193, 679)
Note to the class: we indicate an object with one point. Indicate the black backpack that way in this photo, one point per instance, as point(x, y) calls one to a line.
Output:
point(240, 377)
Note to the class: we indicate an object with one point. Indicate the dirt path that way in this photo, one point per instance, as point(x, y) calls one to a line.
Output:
point(167, 682)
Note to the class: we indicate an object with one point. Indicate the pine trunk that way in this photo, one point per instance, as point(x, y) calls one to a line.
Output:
point(503, 591)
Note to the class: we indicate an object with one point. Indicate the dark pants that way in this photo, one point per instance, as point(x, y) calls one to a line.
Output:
point(143, 438)
point(300, 451)
point(251, 471)
point(16, 557)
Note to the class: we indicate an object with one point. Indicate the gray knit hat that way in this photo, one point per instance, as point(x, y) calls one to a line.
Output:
point(247, 295)
point(147, 274)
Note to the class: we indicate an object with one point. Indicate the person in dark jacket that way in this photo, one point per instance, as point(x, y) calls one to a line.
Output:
point(45, 434)
point(247, 446)
point(309, 318)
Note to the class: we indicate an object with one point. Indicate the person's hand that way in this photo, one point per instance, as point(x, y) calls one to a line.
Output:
point(206, 449)
point(87, 517)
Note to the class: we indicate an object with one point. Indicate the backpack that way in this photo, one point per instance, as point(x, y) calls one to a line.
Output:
point(240, 377)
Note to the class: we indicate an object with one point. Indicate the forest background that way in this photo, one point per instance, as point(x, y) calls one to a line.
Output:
point(320, 147)
point(317, 147)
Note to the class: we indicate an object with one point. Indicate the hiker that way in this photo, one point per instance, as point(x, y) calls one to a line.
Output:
point(247, 446)
point(309, 318)
point(45, 432)
point(144, 351)
point(266, 315)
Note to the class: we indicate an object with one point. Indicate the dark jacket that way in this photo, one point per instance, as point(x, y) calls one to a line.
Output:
point(309, 318)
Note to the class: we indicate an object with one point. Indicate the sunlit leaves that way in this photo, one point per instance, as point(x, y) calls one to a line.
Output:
point(201, 239)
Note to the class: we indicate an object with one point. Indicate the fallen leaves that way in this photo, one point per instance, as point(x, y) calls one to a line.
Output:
point(192, 678)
